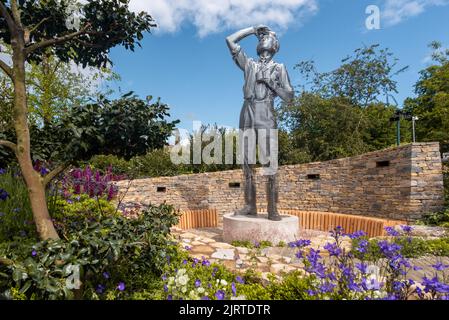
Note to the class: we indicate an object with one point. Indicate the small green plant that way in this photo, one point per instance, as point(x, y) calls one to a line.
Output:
point(436, 219)
point(252, 244)
point(16, 218)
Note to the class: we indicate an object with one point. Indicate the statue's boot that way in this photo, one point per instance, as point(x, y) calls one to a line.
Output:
point(272, 198)
point(250, 208)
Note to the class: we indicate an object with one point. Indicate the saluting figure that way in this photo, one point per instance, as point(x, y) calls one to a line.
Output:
point(264, 81)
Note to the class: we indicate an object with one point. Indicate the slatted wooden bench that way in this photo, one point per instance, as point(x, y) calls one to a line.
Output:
point(326, 221)
point(311, 220)
point(192, 219)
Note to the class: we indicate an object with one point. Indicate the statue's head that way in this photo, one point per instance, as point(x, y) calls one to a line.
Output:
point(268, 44)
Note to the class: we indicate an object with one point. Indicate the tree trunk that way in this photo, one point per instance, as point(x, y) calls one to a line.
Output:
point(33, 180)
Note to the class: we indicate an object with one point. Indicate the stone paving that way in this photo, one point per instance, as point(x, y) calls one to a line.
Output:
point(208, 243)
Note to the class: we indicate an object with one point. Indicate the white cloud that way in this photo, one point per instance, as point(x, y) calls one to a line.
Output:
point(219, 15)
point(396, 11)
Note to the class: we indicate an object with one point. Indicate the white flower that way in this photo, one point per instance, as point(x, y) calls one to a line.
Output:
point(184, 289)
point(181, 271)
point(223, 282)
point(182, 280)
point(171, 280)
point(200, 290)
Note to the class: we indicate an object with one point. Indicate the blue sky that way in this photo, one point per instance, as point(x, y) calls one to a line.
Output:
point(186, 61)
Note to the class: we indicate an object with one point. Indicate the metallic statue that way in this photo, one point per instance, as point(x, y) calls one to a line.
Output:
point(264, 81)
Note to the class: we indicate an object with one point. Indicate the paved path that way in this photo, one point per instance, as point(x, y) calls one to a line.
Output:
point(208, 243)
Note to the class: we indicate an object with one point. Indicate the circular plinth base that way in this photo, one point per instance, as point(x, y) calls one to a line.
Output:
point(244, 228)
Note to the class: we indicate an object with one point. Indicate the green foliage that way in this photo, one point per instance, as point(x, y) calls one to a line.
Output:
point(411, 248)
point(132, 250)
point(79, 212)
point(354, 79)
point(436, 219)
point(432, 102)
point(99, 30)
point(251, 244)
point(157, 163)
point(125, 127)
point(119, 166)
point(16, 218)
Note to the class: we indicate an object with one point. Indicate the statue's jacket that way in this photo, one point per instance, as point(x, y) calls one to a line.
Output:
point(258, 108)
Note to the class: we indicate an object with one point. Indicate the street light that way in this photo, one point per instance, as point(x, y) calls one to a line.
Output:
point(397, 116)
point(414, 119)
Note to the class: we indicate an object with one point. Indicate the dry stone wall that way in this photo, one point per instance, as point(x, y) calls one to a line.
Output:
point(397, 183)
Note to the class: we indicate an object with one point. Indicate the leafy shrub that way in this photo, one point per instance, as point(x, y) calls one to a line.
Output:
point(16, 218)
point(115, 256)
point(157, 163)
point(118, 166)
point(77, 212)
point(436, 219)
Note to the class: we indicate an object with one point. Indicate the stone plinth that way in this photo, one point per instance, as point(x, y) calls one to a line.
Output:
point(260, 228)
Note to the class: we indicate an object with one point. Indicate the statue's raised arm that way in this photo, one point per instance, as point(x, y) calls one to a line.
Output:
point(233, 40)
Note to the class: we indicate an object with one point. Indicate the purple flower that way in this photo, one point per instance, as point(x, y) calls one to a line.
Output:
point(165, 288)
point(106, 275)
point(33, 253)
point(327, 287)
point(357, 234)
point(169, 297)
point(239, 280)
point(187, 248)
point(311, 292)
point(2, 171)
point(363, 246)
point(206, 263)
point(416, 268)
point(407, 229)
point(389, 249)
point(121, 286)
point(234, 289)
point(433, 285)
point(100, 289)
point(299, 255)
point(333, 249)
point(440, 266)
point(184, 261)
point(195, 261)
point(3, 195)
point(43, 171)
point(391, 231)
point(205, 298)
point(198, 283)
point(220, 295)
point(362, 267)
point(300, 243)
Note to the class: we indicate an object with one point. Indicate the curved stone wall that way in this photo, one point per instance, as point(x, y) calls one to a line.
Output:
point(399, 183)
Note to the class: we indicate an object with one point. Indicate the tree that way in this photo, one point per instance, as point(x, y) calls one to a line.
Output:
point(79, 32)
point(346, 111)
point(431, 103)
point(54, 88)
point(363, 78)
point(325, 128)
point(126, 127)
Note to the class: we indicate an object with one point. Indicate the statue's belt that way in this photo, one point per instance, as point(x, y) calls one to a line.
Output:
point(252, 100)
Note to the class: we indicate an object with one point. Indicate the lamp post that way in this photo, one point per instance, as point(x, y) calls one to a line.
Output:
point(397, 116)
point(414, 119)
